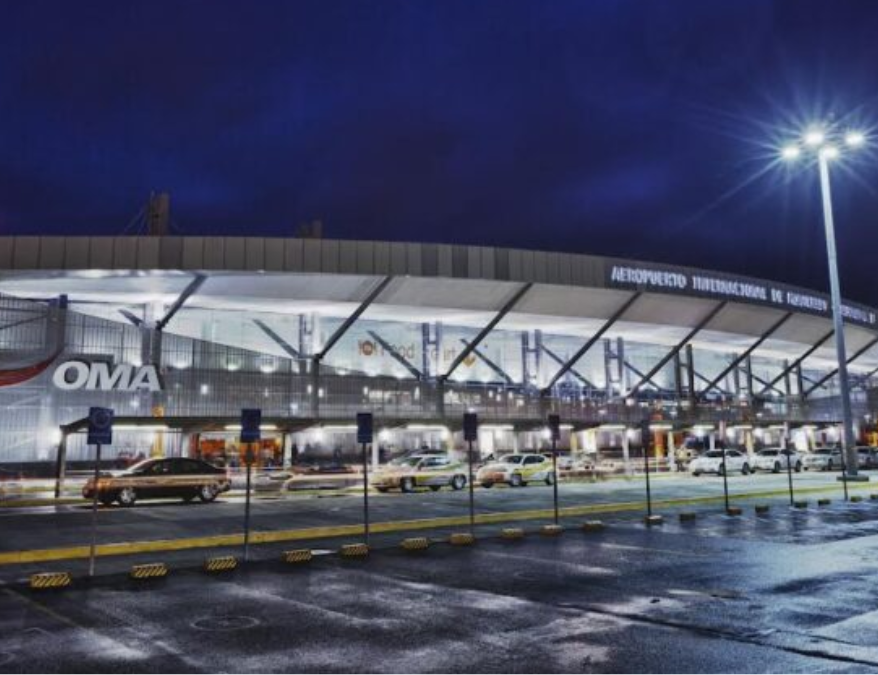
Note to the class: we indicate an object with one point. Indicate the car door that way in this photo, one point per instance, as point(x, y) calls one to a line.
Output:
point(432, 471)
point(734, 460)
point(534, 467)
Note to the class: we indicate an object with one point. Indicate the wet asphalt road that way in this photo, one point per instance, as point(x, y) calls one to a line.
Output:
point(794, 591)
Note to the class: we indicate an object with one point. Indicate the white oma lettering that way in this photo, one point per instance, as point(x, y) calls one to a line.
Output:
point(72, 375)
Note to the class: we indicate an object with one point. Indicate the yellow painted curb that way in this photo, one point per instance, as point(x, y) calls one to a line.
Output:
point(43, 580)
point(149, 571)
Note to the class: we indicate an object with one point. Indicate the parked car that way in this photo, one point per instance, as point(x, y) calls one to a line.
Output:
point(159, 478)
point(823, 459)
point(775, 460)
point(867, 457)
point(432, 471)
point(712, 462)
point(517, 470)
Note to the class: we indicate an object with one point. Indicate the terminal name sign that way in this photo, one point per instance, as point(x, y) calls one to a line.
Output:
point(73, 375)
point(670, 280)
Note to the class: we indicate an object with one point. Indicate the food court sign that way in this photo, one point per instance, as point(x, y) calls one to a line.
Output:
point(726, 287)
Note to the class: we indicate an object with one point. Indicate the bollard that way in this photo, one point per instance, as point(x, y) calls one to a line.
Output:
point(761, 509)
point(687, 516)
point(653, 520)
point(149, 571)
point(226, 563)
point(593, 526)
point(856, 498)
point(297, 556)
point(734, 511)
point(874, 497)
point(551, 530)
point(512, 533)
point(803, 504)
point(824, 501)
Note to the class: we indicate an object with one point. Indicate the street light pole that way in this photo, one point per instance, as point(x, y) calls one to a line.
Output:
point(837, 318)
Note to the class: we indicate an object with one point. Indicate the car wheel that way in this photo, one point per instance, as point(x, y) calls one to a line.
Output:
point(776, 468)
point(515, 480)
point(798, 467)
point(127, 496)
point(487, 484)
point(107, 501)
point(207, 493)
point(721, 471)
point(407, 485)
point(435, 488)
point(189, 496)
point(829, 465)
point(550, 478)
point(382, 490)
point(696, 473)
point(745, 470)
point(458, 483)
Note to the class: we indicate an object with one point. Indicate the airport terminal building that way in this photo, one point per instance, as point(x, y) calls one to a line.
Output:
point(178, 334)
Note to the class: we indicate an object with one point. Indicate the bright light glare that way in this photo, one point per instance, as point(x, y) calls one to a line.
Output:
point(854, 139)
point(791, 152)
point(814, 137)
point(829, 152)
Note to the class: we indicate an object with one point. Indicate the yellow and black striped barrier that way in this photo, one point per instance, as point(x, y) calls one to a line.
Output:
point(687, 516)
point(761, 509)
point(803, 504)
point(415, 544)
point(299, 555)
point(649, 521)
point(856, 498)
point(593, 526)
point(149, 571)
point(734, 511)
point(225, 563)
point(874, 496)
point(354, 551)
point(824, 502)
point(50, 580)
point(512, 533)
point(462, 539)
point(551, 530)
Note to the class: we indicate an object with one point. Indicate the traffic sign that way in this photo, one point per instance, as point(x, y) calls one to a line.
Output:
point(470, 427)
point(251, 419)
point(100, 426)
point(364, 427)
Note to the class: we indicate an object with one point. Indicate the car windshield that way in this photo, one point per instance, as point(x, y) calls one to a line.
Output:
point(768, 453)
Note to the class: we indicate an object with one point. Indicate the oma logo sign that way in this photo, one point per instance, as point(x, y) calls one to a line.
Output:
point(73, 375)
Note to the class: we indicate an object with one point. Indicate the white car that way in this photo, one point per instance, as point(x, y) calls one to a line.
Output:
point(517, 470)
point(775, 460)
point(712, 462)
point(823, 459)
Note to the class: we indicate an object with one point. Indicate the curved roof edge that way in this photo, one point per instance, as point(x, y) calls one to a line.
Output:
point(332, 256)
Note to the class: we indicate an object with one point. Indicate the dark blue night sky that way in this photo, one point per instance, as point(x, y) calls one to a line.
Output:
point(636, 128)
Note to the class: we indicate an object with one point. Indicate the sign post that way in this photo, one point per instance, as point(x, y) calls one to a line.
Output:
point(251, 420)
point(644, 435)
point(555, 432)
point(100, 432)
point(788, 452)
point(722, 447)
point(470, 434)
point(364, 438)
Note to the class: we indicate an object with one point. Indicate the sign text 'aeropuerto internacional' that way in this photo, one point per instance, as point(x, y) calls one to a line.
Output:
point(671, 280)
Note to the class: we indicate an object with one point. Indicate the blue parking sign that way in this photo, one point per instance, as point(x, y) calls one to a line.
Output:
point(100, 426)
point(251, 420)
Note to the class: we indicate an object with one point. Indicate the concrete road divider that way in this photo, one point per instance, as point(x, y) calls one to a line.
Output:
point(803, 504)
point(687, 516)
point(653, 520)
point(551, 530)
point(593, 526)
point(462, 539)
point(354, 551)
point(44, 580)
point(512, 533)
point(224, 563)
point(856, 498)
point(415, 544)
point(149, 571)
point(824, 502)
point(299, 555)
point(734, 511)
point(761, 509)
